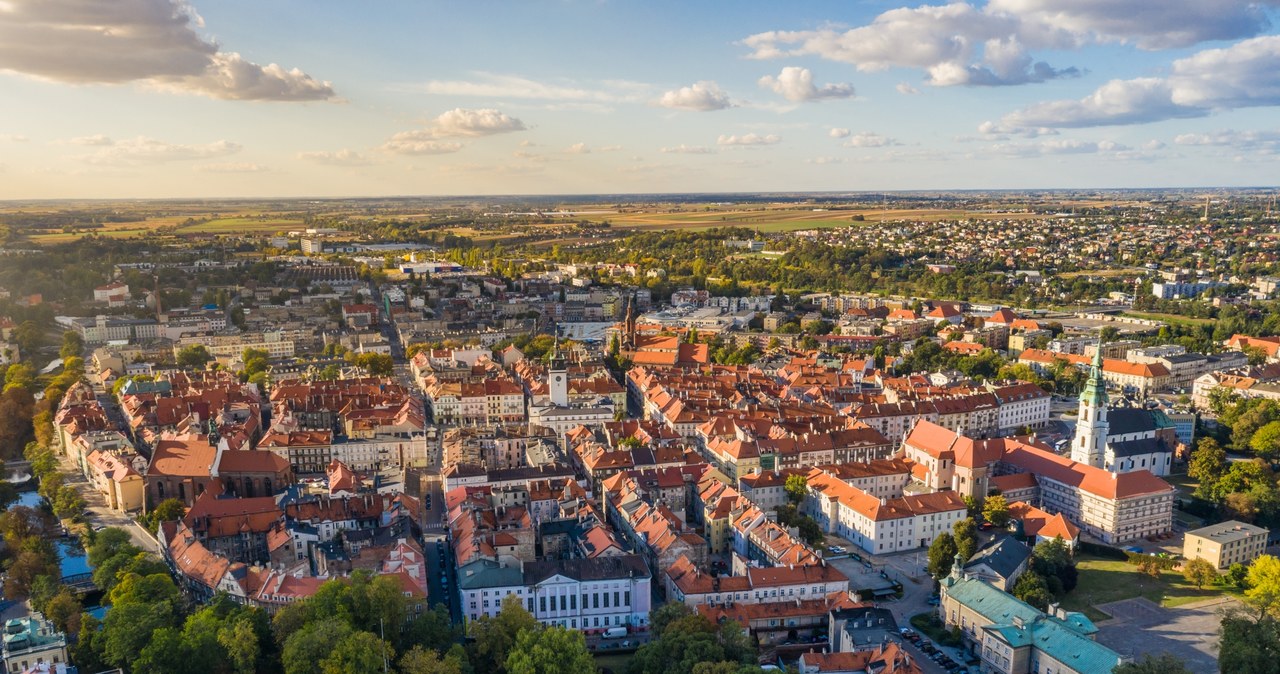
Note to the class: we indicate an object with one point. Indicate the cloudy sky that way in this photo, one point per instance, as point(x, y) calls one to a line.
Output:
point(164, 98)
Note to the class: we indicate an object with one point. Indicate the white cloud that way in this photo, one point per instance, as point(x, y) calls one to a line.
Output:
point(419, 143)
point(343, 157)
point(96, 139)
point(838, 132)
point(824, 160)
point(461, 122)
point(142, 149)
point(703, 96)
point(749, 139)
point(230, 167)
point(231, 77)
point(578, 148)
point(906, 89)
point(869, 139)
point(12, 138)
point(796, 85)
point(964, 43)
point(611, 148)
point(495, 85)
point(687, 149)
point(955, 44)
point(1228, 137)
point(1167, 24)
point(1239, 140)
point(455, 123)
point(148, 41)
point(1246, 74)
point(1058, 146)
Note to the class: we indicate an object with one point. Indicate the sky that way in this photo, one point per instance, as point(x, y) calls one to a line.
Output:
point(329, 98)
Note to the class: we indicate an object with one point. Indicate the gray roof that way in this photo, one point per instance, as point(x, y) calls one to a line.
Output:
point(1138, 447)
point(1126, 420)
point(599, 568)
point(484, 573)
point(1230, 530)
point(1004, 557)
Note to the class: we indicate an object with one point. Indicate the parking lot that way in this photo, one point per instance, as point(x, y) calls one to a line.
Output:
point(1189, 633)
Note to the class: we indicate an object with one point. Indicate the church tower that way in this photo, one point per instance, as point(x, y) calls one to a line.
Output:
point(558, 376)
point(1090, 444)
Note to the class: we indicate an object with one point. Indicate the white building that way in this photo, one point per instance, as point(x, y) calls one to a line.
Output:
point(589, 595)
point(880, 525)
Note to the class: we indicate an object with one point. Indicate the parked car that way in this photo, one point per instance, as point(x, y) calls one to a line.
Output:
point(837, 549)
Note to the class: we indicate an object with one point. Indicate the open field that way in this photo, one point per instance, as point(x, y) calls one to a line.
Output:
point(1169, 318)
point(56, 237)
point(1105, 580)
point(242, 225)
point(772, 219)
point(1104, 273)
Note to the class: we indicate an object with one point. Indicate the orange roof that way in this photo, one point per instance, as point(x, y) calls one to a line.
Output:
point(1007, 483)
point(1096, 481)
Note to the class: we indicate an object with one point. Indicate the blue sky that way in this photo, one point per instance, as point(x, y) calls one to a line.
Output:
point(160, 98)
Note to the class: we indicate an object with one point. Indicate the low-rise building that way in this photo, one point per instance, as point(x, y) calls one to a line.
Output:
point(1012, 637)
point(30, 641)
point(589, 595)
point(1226, 543)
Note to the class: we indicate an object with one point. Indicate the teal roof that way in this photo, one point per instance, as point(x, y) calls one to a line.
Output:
point(1161, 419)
point(1095, 390)
point(1022, 625)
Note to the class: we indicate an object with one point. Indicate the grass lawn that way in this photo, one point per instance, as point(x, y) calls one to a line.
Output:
point(930, 625)
point(1169, 318)
point(1106, 580)
point(241, 225)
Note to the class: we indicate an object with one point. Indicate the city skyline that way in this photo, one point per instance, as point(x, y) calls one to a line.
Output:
point(156, 98)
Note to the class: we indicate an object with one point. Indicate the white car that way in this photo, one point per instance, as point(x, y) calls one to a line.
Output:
point(839, 550)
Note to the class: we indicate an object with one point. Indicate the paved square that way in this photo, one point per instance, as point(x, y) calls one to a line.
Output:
point(1190, 633)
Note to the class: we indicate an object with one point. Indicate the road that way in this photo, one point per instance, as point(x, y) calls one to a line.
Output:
point(441, 585)
point(917, 588)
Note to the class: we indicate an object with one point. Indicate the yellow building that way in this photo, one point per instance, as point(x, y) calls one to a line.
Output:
point(119, 482)
point(1226, 543)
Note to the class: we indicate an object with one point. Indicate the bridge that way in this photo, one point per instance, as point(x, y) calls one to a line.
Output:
point(80, 582)
point(17, 472)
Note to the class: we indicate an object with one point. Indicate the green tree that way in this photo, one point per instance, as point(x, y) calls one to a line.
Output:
point(1207, 465)
point(494, 637)
point(1149, 664)
point(942, 553)
point(64, 610)
point(1237, 576)
point(684, 643)
point(971, 505)
point(996, 511)
point(194, 357)
point(169, 510)
point(376, 364)
point(306, 648)
point(1053, 561)
point(553, 650)
point(1199, 572)
point(357, 653)
point(797, 487)
point(1263, 592)
point(965, 532)
point(72, 344)
point(1033, 589)
point(1266, 441)
point(1249, 645)
point(419, 660)
point(666, 614)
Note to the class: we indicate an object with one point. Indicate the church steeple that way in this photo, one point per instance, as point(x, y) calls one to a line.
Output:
point(558, 375)
point(1090, 444)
